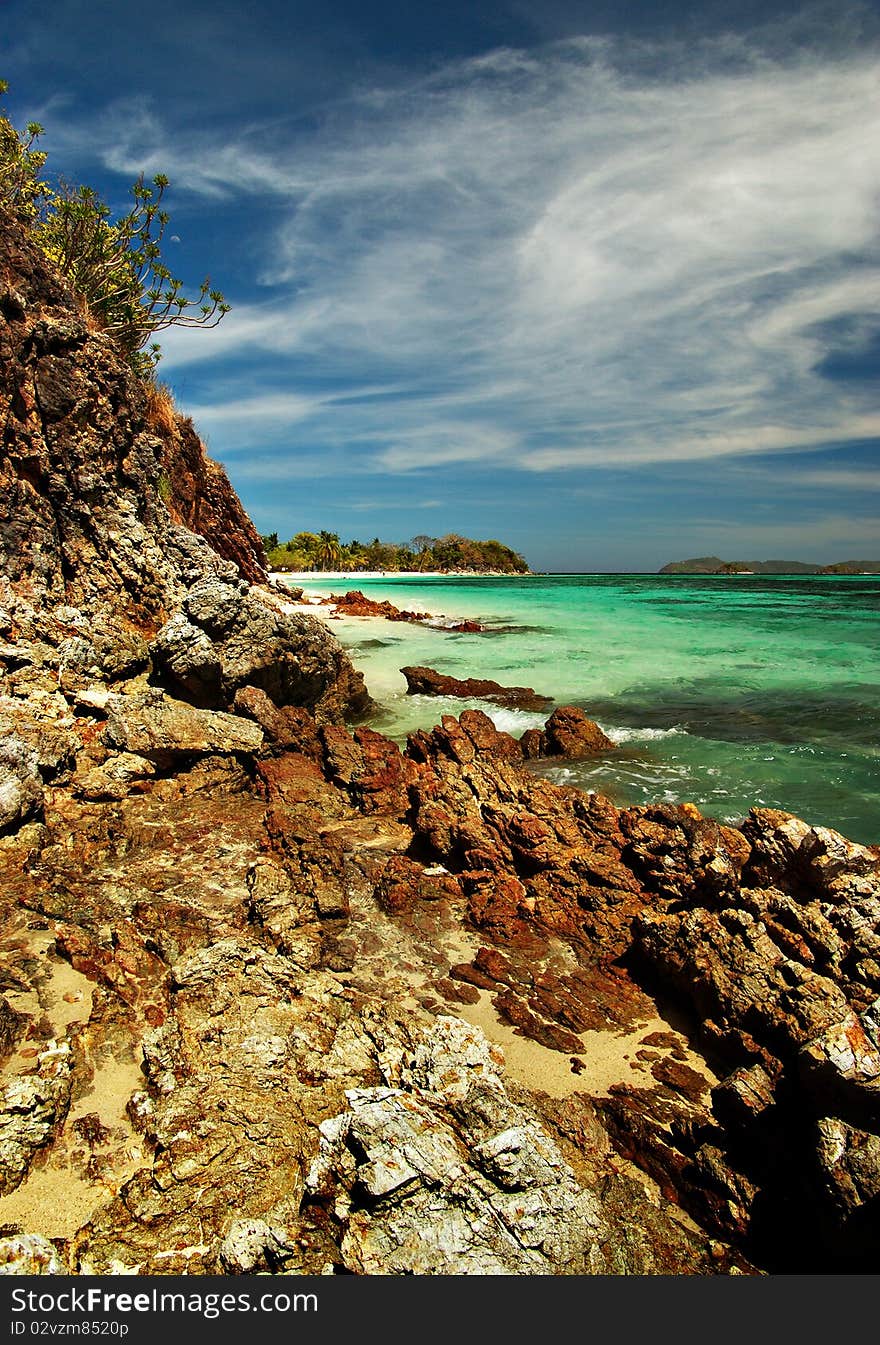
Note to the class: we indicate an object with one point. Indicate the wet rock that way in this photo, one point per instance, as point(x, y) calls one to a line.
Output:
point(569, 733)
point(354, 603)
point(422, 681)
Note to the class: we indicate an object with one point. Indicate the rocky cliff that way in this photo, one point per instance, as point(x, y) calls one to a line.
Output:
point(123, 548)
point(276, 995)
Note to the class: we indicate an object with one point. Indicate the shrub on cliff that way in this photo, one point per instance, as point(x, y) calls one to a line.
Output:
point(21, 187)
point(115, 267)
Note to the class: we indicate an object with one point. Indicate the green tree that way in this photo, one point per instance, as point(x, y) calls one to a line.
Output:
point(21, 187)
point(118, 269)
point(115, 267)
point(328, 550)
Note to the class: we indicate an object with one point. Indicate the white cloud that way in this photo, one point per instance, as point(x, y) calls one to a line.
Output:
point(562, 261)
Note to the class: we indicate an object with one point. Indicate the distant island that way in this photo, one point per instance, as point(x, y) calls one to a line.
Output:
point(322, 551)
point(715, 565)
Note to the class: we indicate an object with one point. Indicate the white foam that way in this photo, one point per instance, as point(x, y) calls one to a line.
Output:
point(643, 735)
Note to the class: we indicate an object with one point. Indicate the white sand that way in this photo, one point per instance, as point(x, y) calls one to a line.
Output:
point(366, 574)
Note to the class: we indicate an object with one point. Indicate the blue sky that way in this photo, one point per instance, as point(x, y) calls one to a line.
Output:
point(601, 280)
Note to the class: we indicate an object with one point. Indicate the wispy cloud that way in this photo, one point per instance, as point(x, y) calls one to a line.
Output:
point(600, 259)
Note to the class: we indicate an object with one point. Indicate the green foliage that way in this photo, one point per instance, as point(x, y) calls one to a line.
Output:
point(324, 551)
point(116, 266)
point(21, 188)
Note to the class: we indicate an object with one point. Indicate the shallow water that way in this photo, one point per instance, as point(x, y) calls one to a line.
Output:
point(726, 691)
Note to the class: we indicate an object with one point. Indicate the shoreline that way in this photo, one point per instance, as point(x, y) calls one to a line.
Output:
point(338, 575)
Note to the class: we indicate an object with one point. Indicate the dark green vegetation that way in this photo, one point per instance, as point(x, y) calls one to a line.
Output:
point(115, 268)
point(715, 565)
point(324, 551)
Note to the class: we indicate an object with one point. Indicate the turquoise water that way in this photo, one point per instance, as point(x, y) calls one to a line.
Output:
point(723, 691)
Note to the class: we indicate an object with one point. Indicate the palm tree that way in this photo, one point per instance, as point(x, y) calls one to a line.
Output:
point(328, 550)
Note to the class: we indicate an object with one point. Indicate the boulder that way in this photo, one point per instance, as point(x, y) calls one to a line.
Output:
point(163, 730)
point(227, 637)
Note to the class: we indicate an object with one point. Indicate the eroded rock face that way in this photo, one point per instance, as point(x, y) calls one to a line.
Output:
point(21, 790)
point(444, 1174)
point(227, 638)
point(99, 555)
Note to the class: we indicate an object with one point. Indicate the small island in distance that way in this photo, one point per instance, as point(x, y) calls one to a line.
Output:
point(714, 565)
point(322, 551)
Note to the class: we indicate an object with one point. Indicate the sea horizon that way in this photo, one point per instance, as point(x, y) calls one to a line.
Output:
point(767, 696)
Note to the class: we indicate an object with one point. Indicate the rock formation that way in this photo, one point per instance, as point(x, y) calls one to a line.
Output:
point(426, 682)
point(276, 995)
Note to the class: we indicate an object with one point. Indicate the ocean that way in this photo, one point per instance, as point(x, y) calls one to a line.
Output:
point(722, 691)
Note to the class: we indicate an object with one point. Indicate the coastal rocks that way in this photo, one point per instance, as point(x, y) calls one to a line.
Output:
point(31, 1106)
point(445, 1174)
point(21, 790)
point(354, 603)
point(426, 682)
point(165, 731)
point(680, 854)
point(567, 733)
point(198, 495)
point(90, 527)
point(226, 638)
point(291, 728)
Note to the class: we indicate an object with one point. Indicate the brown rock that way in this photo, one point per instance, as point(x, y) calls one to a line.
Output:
point(569, 733)
point(426, 682)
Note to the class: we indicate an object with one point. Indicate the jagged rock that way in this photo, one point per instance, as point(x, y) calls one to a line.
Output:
point(29, 1254)
point(21, 790)
point(285, 911)
point(445, 1174)
point(426, 682)
point(115, 779)
point(200, 497)
point(12, 1025)
point(252, 1245)
point(90, 523)
point(404, 883)
point(743, 1097)
point(163, 730)
point(31, 1106)
point(291, 728)
point(681, 854)
point(850, 1168)
point(227, 638)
